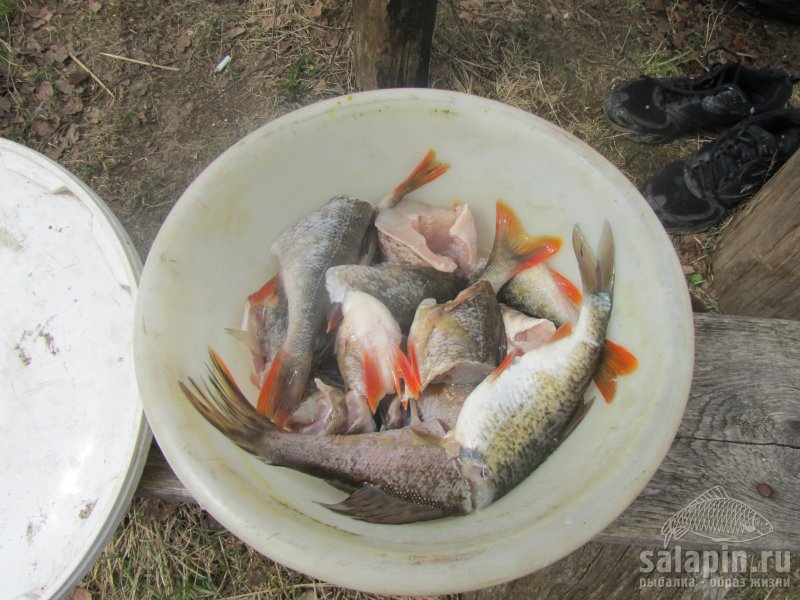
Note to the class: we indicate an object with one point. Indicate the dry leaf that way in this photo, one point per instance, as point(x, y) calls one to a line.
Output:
point(273, 22)
point(739, 42)
point(73, 105)
point(5, 104)
point(157, 510)
point(77, 77)
point(79, 593)
point(64, 87)
point(44, 129)
point(654, 4)
point(233, 33)
point(92, 114)
point(95, 6)
point(316, 10)
point(44, 91)
point(184, 42)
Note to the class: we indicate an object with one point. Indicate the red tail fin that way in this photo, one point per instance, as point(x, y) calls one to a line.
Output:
point(373, 384)
point(408, 372)
point(565, 285)
point(283, 388)
point(616, 361)
point(426, 171)
point(414, 381)
point(514, 250)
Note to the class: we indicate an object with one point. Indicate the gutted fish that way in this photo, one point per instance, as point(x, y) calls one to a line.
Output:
point(524, 333)
point(368, 350)
point(541, 292)
point(399, 287)
point(517, 416)
point(457, 342)
point(322, 412)
point(338, 233)
point(420, 234)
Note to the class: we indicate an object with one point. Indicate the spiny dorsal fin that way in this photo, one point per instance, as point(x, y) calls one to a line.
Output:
point(370, 503)
point(715, 493)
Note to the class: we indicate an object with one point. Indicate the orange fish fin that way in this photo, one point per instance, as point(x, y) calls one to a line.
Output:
point(615, 362)
point(564, 330)
point(504, 364)
point(414, 380)
point(426, 171)
point(373, 385)
point(524, 250)
point(335, 317)
point(266, 291)
point(565, 285)
point(408, 373)
point(282, 389)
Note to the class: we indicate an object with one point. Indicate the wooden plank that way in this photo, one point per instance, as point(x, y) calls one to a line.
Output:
point(756, 262)
point(740, 430)
point(392, 42)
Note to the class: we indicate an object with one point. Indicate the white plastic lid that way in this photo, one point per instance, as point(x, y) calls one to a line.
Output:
point(73, 437)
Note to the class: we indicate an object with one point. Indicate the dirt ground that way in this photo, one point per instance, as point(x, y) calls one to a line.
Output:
point(129, 96)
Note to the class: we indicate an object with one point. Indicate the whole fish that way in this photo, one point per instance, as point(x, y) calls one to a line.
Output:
point(368, 350)
point(399, 287)
point(460, 341)
point(518, 415)
point(338, 233)
point(399, 476)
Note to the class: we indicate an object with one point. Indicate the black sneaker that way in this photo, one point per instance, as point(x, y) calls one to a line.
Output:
point(780, 10)
point(658, 110)
point(697, 193)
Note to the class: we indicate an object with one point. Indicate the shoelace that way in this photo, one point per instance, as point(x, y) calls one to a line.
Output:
point(727, 161)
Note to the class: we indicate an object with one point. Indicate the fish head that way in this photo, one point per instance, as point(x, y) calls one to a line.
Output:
point(761, 525)
point(474, 468)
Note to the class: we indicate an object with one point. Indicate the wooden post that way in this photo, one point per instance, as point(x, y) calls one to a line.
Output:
point(757, 260)
point(392, 42)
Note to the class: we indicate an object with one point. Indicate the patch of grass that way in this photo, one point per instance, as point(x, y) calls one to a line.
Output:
point(294, 84)
point(8, 9)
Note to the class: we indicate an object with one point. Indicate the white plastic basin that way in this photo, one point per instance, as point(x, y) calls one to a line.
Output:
point(213, 250)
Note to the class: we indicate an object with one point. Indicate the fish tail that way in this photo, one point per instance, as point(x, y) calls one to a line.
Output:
point(616, 361)
point(516, 249)
point(223, 404)
point(426, 171)
point(597, 272)
point(283, 388)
